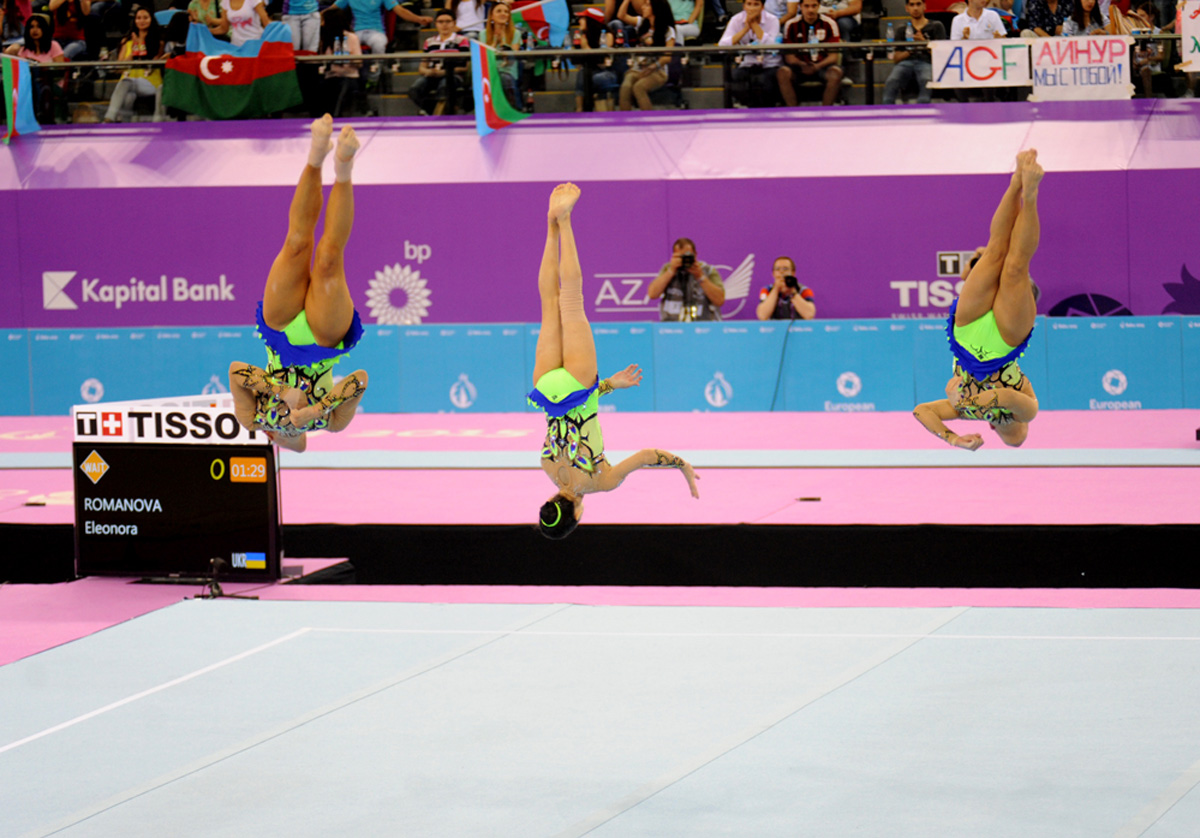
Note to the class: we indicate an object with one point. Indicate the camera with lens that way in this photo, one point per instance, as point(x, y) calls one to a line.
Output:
point(792, 282)
point(686, 260)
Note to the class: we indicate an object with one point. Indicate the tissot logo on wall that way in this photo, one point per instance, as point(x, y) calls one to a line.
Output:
point(202, 425)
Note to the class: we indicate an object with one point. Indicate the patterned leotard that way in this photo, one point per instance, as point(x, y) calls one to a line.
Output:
point(1009, 376)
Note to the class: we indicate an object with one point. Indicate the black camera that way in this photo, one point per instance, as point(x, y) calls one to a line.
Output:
point(686, 260)
point(792, 282)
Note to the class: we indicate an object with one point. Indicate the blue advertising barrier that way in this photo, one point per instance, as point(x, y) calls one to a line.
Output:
point(1191, 361)
point(1114, 363)
point(14, 355)
point(850, 366)
point(473, 368)
point(716, 366)
point(1076, 363)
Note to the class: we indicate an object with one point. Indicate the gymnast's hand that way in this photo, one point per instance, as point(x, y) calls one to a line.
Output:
point(631, 376)
point(292, 397)
point(691, 476)
point(969, 442)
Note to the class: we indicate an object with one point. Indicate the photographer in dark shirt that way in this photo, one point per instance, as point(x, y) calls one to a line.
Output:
point(786, 298)
point(690, 289)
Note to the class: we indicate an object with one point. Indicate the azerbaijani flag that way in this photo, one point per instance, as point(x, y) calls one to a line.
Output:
point(548, 20)
point(492, 111)
point(220, 81)
point(18, 98)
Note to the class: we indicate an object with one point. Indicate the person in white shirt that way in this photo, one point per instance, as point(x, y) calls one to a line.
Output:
point(754, 77)
point(976, 23)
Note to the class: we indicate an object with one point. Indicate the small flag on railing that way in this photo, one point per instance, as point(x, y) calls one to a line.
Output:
point(548, 20)
point(493, 111)
point(18, 98)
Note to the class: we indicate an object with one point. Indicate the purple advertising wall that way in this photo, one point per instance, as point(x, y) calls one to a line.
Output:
point(177, 225)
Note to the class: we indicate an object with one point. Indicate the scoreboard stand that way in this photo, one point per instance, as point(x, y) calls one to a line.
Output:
point(173, 488)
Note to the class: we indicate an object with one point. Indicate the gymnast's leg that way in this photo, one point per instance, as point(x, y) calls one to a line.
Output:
point(287, 282)
point(979, 290)
point(549, 353)
point(579, 347)
point(328, 305)
point(1015, 307)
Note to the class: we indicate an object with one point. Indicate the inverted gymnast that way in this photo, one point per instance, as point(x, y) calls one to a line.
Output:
point(306, 317)
point(573, 454)
point(991, 321)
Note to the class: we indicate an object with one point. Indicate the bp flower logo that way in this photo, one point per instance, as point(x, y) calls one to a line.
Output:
point(398, 296)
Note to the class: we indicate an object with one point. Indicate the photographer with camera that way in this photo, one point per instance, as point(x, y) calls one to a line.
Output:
point(787, 298)
point(690, 289)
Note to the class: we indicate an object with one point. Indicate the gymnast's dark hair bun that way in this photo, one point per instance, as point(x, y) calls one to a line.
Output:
point(557, 518)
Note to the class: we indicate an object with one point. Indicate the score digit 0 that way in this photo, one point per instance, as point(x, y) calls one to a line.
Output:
point(216, 469)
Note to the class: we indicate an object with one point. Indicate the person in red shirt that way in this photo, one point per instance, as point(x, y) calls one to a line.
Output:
point(810, 65)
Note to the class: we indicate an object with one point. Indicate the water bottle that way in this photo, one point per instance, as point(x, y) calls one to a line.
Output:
point(813, 40)
point(891, 38)
point(908, 32)
point(778, 40)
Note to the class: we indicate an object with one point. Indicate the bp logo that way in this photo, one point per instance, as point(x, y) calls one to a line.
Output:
point(463, 392)
point(718, 392)
point(849, 384)
point(397, 296)
point(1114, 382)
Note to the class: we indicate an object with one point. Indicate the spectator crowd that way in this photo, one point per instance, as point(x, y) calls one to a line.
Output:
point(60, 31)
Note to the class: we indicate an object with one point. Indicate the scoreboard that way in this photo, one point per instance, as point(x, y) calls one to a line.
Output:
point(164, 486)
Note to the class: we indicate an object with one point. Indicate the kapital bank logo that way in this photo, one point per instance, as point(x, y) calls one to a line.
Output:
point(174, 290)
point(629, 292)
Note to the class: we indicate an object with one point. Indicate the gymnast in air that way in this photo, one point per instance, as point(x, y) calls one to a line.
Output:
point(306, 317)
point(991, 322)
point(573, 454)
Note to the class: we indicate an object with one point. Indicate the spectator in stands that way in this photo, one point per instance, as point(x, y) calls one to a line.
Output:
point(605, 79)
point(39, 45)
point(785, 10)
point(244, 21)
point(787, 298)
point(68, 17)
point(341, 78)
point(431, 86)
point(144, 40)
point(1045, 18)
point(914, 66)
point(848, 14)
point(976, 23)
point(685, 13)
point(1085, 19)
point(468, 17)
point(690, 289)
point(369, 26)
point(648, 73)
point(304, 19)
point(810, 65)
point(628, 21)
point(501, 33)
point(754, 78)
point(1147, 55)
point(207, 12)
point(13, 14)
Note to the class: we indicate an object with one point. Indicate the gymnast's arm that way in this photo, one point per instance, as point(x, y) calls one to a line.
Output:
point(933, 415)
point(1023, 406)
point(613, 477)
point(246, 382)
point(339, 404)
point(631, 376)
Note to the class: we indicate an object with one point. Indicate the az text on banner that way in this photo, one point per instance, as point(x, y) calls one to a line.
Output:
point(219, 81)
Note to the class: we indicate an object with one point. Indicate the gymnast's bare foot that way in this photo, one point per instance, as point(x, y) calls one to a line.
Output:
point(343, 160)
point(322, 130)
point(562, 201)
point(1031, 175)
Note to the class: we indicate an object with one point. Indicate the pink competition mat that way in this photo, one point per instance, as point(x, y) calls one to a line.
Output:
point(348, 487)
